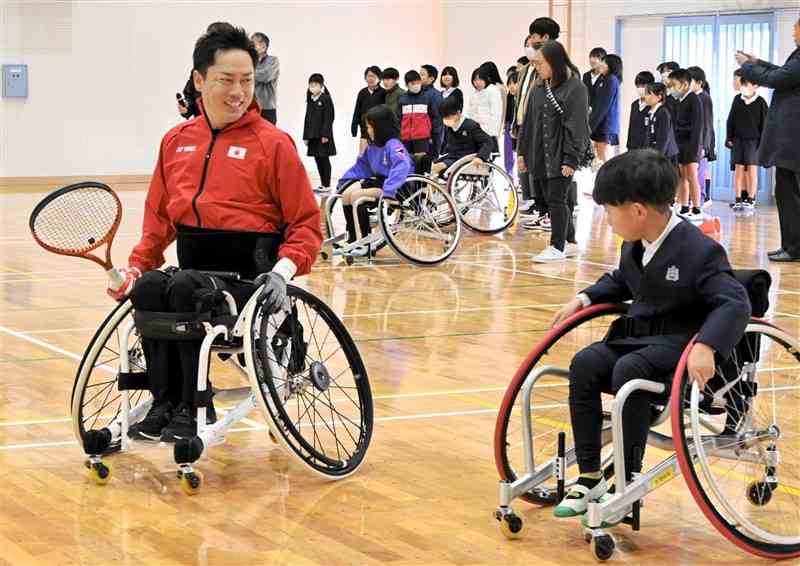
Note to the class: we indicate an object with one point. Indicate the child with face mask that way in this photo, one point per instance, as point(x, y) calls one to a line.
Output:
point(745, 125)
point(419, 116)
point(318, 128)
point(637, 126)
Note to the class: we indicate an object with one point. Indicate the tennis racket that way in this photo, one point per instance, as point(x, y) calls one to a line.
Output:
point(77, 220)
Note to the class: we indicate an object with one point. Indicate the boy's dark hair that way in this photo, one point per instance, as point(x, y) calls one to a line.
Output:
point(384, 124)
point(614, 63)
point(555, 54)
point(214, 26)
point(450, 71)
point(598, 53)
point(432, 71)
point(511, 69)
point(262, 37)
point(738, 73)
point(659, 89)
point(412, 76)
point(699, 75)
point(513, 77)
point(745, 81)
point(645, 176)
point(221, 38)
point(542, 26)
point(668, 66)
point(316, 78)
point(390, 73)
point(681, 75)
point(523, 60)
point(374, 69)
point(644, 78)
point(450, 106)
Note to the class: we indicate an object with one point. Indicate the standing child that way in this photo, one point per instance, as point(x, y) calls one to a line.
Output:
point(591, 76)
point(604, 117)
point(419, 117)
point(660, 133)
point(509, 143)
point(702, 89)
point(318, 128)
point(449, 83)
point(689, 124)
point(389, 78)
point(637, 126)
point(745, 126)
point(368, 97)
point(665, 70)
point(486, 104)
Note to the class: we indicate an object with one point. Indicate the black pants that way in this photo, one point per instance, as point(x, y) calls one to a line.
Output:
point(270, 115)
point(560, 193)
point(536, 193)
point(787, 197)
point(172, 365)
point(324, 168)
point(603, 368)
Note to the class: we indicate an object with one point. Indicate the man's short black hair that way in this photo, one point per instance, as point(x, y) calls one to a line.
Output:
point(668, 66)
point(384, 124)
point(262, 37)
point(738, 73)
point(432, 71)
point(412, 76)
point(681, 75)
point(645, 176)
point(221, 38)
point(450, 106)
point(542, 26)
point(644, 78)
point(390, 73)
point(374, 69)
point(598, 53)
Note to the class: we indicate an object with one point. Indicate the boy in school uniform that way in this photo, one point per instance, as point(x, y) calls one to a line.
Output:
point(675, 295)
point(640, 112)
point(590, 77)
point(689, 122)
point(746, 122)
point(665, 69)
point(465, 137)
point(389, 79)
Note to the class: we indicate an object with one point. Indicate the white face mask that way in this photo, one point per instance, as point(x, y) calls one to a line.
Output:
point(529, 53)
point(640, 90)
point(676, 94)
point(415, 88)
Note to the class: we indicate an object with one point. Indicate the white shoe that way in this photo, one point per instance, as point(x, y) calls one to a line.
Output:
point(544, 225)
point(550, 255)
point(358, 251)
point(708, 203)
point(576, 502)
point(694, 217)
point(571, 250)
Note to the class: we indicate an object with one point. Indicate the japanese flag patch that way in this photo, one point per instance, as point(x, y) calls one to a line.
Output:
point(237, 152)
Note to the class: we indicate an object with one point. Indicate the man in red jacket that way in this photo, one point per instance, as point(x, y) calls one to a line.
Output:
point(231, 189)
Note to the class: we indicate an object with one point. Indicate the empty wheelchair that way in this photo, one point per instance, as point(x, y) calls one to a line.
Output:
point(736, 440)
point(421, 225)
point(485, 195)
point(300, 367)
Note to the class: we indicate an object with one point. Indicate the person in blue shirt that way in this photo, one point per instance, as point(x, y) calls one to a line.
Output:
point(381, 170)
point(604, 118)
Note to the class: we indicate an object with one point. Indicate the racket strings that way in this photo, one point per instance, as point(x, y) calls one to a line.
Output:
point(77, 221)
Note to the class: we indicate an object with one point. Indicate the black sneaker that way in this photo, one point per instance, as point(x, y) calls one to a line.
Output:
point(149, 428)
point(183, 423)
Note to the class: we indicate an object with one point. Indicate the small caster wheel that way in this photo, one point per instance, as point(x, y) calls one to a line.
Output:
point(602, 547)
point(759, 493)
point(324, 255)
point(99, 472)
point(191, 482)
point(511, 526)
point(348, 259)
point(587, 537)
point(272, 437)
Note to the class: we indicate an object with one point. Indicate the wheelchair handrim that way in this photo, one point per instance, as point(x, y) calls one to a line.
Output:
point(465, 217)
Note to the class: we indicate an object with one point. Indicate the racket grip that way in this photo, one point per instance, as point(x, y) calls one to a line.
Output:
point(116, 278)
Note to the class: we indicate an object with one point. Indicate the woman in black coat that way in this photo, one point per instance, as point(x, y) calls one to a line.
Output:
point(318, 128)
point(369, 97)
point(779, 146)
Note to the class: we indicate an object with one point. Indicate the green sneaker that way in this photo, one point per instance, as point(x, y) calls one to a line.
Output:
point(577, 500)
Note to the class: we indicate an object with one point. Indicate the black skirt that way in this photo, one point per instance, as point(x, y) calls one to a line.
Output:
point(318, 149)
point(610, 139)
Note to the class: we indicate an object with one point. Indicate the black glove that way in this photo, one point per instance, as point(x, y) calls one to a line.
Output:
point(273, 294)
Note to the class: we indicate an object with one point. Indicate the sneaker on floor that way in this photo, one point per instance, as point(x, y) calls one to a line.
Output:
point(748, 204)
point(576, 502)
point(184, 423)
point(707, 203)
point(549, 255)
point(358, 251)
point(532, 223)
point(545, 224)
point(528, 212)
point(736, 204)
point(571, 249)
point(150, 427)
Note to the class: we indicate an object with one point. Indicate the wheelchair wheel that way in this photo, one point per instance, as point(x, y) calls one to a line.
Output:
point(737, 442)
point(424, 228)
point(96, 401)
point(485, 195)
point(313, 385)
point(549, 403)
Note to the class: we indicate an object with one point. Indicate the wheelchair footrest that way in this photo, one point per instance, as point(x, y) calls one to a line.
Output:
point(133, 381)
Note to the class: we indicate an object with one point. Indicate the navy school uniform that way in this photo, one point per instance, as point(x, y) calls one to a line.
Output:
point(637, 126)
point(660, 134)
point(604, 117)
point(319, 124)
point(689, 122)
point(469, 138)
point(709, 136)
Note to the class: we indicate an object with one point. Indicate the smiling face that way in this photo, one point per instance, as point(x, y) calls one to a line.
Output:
point(227, 88)
point(447, 81)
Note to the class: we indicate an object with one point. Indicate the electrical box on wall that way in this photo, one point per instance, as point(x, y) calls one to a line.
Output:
point(15, 81)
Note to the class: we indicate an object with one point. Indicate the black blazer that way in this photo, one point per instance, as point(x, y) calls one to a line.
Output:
point(637, 126)
point(319, 117)
point(709, 137)
point(587, 80)
point(689, 124)
point(364, 103)
point(689, 280)
point(468, 139)
point(660, 133)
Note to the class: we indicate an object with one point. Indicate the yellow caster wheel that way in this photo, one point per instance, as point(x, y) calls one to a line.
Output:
point(191, 482)
point(511, 525)
point(99, 472)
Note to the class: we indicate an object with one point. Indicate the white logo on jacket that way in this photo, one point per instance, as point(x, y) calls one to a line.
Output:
point(186, 148)
point(673, 273)
point(237, 152)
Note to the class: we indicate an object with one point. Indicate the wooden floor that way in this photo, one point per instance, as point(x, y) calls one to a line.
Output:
point(440, 346)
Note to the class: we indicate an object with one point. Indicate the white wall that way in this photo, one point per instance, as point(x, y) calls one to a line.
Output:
point(103, 75)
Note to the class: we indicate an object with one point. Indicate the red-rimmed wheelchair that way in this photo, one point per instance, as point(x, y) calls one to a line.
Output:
point(736, 441)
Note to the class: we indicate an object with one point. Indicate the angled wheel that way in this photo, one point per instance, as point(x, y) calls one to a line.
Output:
point(311, 384)
point(485, 196)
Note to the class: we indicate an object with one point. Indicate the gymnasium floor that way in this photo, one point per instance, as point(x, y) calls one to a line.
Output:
point(439, 344)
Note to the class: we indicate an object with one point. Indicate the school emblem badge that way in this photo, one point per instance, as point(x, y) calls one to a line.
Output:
point(673, 273)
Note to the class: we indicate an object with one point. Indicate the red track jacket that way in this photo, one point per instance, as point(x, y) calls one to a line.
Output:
point(248, 177)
